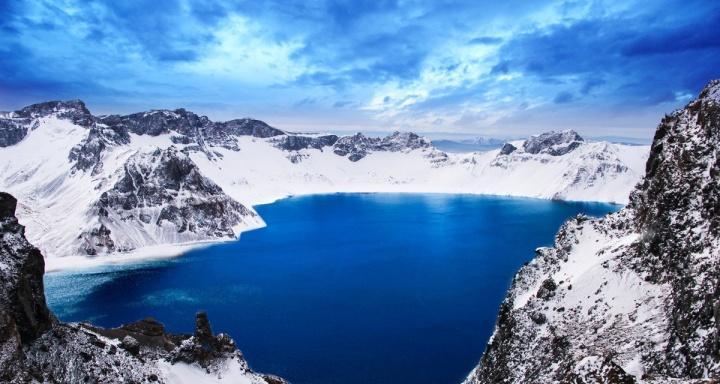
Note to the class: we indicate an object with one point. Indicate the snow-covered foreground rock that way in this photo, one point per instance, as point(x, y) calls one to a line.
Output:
point(36, 347)
point(632, 297)
point(135, 184)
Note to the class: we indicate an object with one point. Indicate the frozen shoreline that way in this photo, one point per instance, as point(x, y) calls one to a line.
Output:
point(168, 251)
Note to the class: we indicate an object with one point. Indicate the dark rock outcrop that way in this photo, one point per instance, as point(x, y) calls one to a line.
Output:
point(553, 143)
point(164, 188)
point(157, 122)
point(677, 210)
point(88, 154)
point(73, 110)
point(358, 146)
point(639, 303)
point(249, 127)
point(296, 143)
point(97, 241)
point(190, 127)
point(12, 131)
point(35, 347)
point(23, 299)
point(354, 147)
point(507, 149)
point(203, 347)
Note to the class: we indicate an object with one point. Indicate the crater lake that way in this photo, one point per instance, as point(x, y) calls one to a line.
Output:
point(341, 288)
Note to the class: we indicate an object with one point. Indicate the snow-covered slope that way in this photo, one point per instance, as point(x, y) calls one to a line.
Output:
point(94, 185)
point(37, 348)
point(632, 297)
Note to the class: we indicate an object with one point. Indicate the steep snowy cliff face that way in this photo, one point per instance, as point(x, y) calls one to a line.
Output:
point(96, 185)
point(35, 347)
point(632, 297)
point(162, 197)
point(24, 316)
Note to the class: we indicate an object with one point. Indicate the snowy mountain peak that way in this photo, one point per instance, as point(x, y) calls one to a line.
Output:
point(553, 143)
point(404, 140)
point(157, 122)
point(631, 297)
point(14, 126)
point(358, 146)
point(250, 127)
point(171, 176)
point(711, 91)
point(71, 109)
point(165, 193)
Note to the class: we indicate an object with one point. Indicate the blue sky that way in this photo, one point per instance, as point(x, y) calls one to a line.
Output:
point(493, 68)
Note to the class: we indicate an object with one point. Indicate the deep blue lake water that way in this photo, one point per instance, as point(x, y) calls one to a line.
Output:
point(346, 288)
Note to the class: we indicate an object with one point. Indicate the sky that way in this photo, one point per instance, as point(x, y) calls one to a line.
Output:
point(484, 68)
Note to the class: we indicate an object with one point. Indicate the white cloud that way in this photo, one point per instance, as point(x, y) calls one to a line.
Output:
point(242, 53)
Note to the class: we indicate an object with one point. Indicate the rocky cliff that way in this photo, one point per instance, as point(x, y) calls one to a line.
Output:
point(164, 194)
point(631, 297)
point(35, 347)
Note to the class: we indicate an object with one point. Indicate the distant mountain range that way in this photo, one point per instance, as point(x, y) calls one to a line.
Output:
point(482, 144)
point(97, 185)
point(479, 144)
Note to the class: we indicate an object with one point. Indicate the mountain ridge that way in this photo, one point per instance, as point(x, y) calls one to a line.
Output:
point(67, 160)
point(631, 297)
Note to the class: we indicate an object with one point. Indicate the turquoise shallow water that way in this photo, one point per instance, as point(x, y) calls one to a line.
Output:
point(346, 288)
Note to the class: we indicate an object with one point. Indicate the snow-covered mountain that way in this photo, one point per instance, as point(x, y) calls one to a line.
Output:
point(91, 185)
point(632, 297)
point(37, 348)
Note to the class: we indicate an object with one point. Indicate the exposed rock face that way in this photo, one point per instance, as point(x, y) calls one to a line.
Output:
point(296, 143)
point(157, 122)
point(203, 347)
point(73, 110)
point(635, 293)
point(14, 126)
point(34, 347)
point(553, 143)
point(165, 189)
point(402, 141)
point(188, 127)
point(97, 241)
point(12, 131)
point(677, 211)
point(249, 127)
point(88, 154)
point(191, 127)
point(354, 147)
point(358, 146)
point(23, 300)
point(507, 149)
